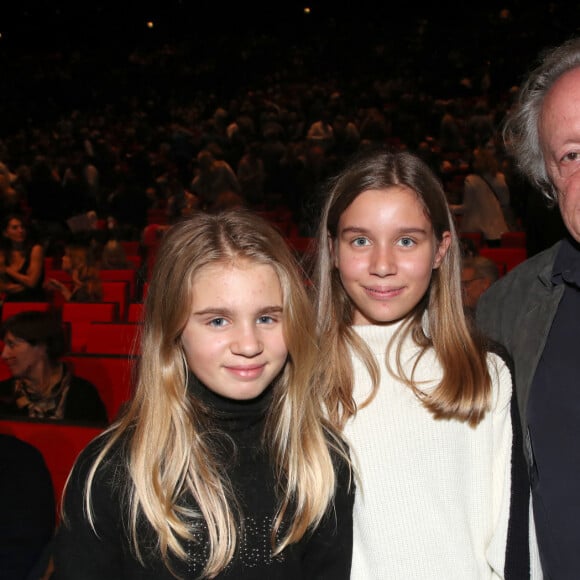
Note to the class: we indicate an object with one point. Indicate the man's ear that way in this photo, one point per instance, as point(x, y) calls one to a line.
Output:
point(442, 249)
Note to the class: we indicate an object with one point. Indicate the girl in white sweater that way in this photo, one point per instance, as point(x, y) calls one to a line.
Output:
point(428, 411)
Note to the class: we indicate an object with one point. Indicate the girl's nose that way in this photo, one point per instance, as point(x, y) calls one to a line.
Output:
point(247, 342)
point(383, 263)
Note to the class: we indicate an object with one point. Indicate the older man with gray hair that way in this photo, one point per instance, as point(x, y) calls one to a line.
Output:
point(534, 311)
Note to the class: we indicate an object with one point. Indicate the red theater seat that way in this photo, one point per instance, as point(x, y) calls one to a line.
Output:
point(11, 308)
point(113, 338)
point(79, 315)
point(135, 312)
point(128, 275)
point(131, 247)
point(111, 374)
point(475, 237)
point(505, 258)
point(120, 293)
point(513, 239)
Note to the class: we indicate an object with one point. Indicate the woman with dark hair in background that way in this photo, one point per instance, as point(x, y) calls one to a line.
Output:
point(21, 262)
point(43, 386)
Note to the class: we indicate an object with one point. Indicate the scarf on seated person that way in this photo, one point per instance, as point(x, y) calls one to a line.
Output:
point(43, 406)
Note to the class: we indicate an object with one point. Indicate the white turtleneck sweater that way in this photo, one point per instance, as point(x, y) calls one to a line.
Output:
point(433, 501)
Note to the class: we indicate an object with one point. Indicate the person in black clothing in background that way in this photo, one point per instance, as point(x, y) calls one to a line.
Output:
point(27, 508)
point(223, 464)
point(21, 262)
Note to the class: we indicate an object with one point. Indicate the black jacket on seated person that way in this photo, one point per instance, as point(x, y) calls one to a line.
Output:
point(27, 508)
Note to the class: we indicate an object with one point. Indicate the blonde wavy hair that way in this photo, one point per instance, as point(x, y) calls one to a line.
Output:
point(84, 271)
point(169, 455)
point(465, 388)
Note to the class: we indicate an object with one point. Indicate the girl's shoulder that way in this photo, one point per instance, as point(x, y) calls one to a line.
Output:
point(110, 463)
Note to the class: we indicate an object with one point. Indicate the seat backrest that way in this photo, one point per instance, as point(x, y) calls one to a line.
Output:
point(111, 374)
point(131, 247)
point(510, 257)
point(516, 239)
point(135, 312)
point(475, 237)
point(79, 315)
point(90, 312)
point(128, 275)
point(135, 261)
point(11, 308)
point(119, 292)
point(113, 338)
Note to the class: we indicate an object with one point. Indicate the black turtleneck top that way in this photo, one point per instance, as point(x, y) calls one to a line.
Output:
point(324, 553)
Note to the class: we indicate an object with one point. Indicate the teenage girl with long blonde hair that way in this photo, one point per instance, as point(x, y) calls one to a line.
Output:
point(223, 465)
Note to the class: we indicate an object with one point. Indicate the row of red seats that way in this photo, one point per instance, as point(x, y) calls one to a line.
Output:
point(93, 327)
point(505, 258)
point(515, 239)
point(112, 374)
point(511, 252)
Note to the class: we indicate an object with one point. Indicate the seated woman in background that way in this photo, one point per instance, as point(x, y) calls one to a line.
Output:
point(114, 257)
point(21, 262)
point(87, 286)
point(486, 199)
point(42, 385)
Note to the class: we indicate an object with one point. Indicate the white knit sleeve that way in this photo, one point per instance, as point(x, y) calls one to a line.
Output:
point(501, 466)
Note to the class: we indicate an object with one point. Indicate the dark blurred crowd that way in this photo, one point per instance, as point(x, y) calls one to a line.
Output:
point(260, 119)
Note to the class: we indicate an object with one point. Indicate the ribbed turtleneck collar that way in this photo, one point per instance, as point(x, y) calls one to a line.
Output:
point(232, 413)
point(377, 336)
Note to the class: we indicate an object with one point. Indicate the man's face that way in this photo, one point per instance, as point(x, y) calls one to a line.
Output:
point(559, 128)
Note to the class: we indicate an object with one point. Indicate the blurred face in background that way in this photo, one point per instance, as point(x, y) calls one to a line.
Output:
point(472, 286)
point(15, 231)
point(21, 356)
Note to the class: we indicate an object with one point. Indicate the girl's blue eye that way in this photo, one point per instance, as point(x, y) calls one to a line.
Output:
point(360, 242)
point(217, 322)
point(407, 242)
point(265, 319)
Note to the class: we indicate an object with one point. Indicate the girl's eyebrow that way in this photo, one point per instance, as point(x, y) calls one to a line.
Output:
point(361, 230)
point(217, 311)
point(354, 230)
point(413, 231)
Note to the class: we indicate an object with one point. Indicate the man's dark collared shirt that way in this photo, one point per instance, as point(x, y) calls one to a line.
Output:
point(553, 414)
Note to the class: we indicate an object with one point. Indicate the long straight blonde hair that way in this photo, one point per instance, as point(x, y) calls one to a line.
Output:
point(465, 388)
point(168, 456)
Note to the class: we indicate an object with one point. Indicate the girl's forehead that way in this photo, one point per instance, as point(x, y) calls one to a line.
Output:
point(239, 263)
point(370, 201)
